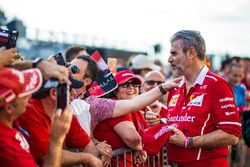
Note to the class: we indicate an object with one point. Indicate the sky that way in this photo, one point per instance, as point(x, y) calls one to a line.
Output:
point(224, 24)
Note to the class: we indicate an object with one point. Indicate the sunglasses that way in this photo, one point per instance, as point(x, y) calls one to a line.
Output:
point(152, 82)
point(128, 84)
point(74, 69)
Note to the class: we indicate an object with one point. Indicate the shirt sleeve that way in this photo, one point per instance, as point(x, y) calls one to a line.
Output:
point(114, 121)
point(224, 111)
point(100, 109)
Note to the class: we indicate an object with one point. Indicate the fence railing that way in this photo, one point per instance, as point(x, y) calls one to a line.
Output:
point(158, 160)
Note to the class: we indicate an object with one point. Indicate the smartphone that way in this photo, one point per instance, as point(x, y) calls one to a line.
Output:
point(59, 59)
point(112, 64)
point(62, 96)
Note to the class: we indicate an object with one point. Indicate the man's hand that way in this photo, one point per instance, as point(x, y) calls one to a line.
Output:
point(7, 56)
point(173, 83)
point(140, 156)
point(178, 138)
point(60, 124)
point(104, 149)
point(152, 118)
point(50, 70)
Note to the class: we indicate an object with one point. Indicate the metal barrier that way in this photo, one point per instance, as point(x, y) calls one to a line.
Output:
point(158, 160)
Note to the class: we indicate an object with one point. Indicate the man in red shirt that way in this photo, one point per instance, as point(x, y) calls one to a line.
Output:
point(37, 121)
point(203, 104)
point(16, 88)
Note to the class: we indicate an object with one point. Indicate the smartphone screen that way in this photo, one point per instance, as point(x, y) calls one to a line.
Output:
point(59, 59)
point(112, 63)
point(62, 96)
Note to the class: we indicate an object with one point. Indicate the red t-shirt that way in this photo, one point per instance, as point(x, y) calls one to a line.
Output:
point(139, 122)
point(208, 106)
point(163, 111)
point(104, 131)
point(14, 149)
point(36, 121)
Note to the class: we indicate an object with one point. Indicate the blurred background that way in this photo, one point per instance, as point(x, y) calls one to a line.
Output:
point(124, 28)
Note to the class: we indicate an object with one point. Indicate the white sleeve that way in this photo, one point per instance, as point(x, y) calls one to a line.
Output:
point(81, 110)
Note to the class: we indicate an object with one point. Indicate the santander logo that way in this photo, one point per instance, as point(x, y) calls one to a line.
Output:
point(178, 118)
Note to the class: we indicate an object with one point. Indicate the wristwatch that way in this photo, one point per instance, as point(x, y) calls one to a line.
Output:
point(36, 62)
point(162, 90)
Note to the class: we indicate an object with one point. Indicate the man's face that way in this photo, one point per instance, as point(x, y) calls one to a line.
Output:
point(152, 81)
point(178, 59)
point(20, 104)
point(235, 76)
point(78, 69)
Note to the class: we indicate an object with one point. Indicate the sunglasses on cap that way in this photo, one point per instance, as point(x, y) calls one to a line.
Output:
point(152, 82)
point(74, 69)
point(128, 84)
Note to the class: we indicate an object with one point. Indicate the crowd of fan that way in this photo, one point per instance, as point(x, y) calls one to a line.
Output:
point(35, 133)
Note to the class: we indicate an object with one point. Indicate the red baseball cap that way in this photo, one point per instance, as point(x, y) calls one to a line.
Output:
point(155, 137)
point(15, 83)
point(124, 76)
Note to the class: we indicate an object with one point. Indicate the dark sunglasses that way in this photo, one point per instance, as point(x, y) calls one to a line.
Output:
point(74, 69)
point(152, 82)
point(128, 84)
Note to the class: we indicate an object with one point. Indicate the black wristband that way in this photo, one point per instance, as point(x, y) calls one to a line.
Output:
point(36, 62)
point(162, 90)
point(190, 142)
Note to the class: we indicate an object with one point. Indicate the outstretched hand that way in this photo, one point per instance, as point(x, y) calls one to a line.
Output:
point(50, 70)
point(173, 83)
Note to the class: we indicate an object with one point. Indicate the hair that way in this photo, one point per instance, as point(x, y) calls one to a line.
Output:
point(92, 68)
point(72, 52)
point(225, 63)
point(41, 93)
point(231, 65)
point(191, 38)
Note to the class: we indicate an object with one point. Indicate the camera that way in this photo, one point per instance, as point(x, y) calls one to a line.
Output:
point(62, 96)
point(8, 38)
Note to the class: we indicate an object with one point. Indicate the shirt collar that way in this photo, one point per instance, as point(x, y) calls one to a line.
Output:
point(199, 80)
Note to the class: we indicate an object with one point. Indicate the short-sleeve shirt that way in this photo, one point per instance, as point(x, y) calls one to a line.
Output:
point(100, 109)
point(14, 149)
point(104, 131)
point(36, 121)
point(209, 105)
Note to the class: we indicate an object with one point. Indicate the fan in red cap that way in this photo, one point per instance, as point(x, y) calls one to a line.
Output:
point(14, 83)
point(124, 76)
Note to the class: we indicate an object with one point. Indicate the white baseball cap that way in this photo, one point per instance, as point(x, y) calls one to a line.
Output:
point(143, 62)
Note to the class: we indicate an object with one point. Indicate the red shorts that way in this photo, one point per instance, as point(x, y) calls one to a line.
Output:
point(217, 162)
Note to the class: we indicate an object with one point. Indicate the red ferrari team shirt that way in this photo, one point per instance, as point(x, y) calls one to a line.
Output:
point(14, 149)
point(209, 105)
point(36, 121)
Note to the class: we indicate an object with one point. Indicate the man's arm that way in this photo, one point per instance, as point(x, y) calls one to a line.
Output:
point(70, 158)
point(49, 70)
point(59, 128)
point(217, 138)
point(123, 107)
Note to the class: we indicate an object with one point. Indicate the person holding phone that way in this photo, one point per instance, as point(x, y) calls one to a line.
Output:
point(15, 91)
